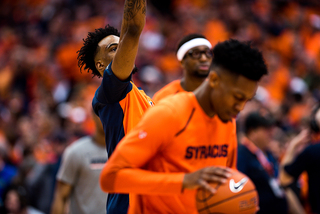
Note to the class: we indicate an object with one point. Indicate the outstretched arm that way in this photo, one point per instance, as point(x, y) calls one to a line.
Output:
point(134, 18)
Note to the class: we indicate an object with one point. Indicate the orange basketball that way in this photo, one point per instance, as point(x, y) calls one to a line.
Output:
point(237, 195)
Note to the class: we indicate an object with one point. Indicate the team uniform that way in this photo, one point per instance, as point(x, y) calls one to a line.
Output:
point(172, 88)
point(173, 138)
point(119, 105)
point(81, 165)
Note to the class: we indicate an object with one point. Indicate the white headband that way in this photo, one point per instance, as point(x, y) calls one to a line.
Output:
point(191, 44)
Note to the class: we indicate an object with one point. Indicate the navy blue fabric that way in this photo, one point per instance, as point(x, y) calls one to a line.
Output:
point(249, 165)
point(117, 203)
point(6, 175)
point(309, 161)
point(106, 105)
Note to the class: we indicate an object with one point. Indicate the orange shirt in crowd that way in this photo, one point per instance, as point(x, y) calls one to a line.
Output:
point(215, 31)
point(173, 138)
point(279, 83)
point(172, 88)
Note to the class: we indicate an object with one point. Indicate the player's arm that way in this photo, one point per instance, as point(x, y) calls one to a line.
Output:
point(134, 18)
point(61, 195)
point(289, 156)
point(295, 207)
point(66, 178)
point(124, 173)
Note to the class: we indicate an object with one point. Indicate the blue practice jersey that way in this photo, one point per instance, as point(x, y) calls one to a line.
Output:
point(119, 105)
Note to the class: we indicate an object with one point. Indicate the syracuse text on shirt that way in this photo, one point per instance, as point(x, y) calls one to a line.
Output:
point(212, 151)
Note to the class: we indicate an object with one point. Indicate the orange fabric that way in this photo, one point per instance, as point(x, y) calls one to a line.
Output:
point(168, 63)
point(191, 3)
point(173, 138)
point(66, 54)
point(312, 45)
point(6, 77)
point(133, 106)
point(283, 44)
point(67, 58)
point(292, 12)
point(278, 84)
point(298, 112)
point(215, 31)
point(172, 88)
point(261, 8)
point(303, 180)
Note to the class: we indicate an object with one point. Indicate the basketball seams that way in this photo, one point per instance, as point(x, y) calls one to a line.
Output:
point(227, 201)
point(205, 202)
point(218, 186)
point(204, 195)
point(220, 202)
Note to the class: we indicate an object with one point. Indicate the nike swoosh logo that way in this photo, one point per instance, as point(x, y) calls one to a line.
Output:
point(237, 187)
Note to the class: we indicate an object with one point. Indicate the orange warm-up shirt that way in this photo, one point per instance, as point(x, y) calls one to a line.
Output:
point(172, 88)
point(173, 138)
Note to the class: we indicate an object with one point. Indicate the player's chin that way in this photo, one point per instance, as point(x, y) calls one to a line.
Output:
point(225, 118)
point(202, 73)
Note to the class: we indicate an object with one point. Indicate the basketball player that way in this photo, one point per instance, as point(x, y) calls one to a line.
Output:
point(118, 102)
point(295, 161)
point(187, 140)
point(194, 54)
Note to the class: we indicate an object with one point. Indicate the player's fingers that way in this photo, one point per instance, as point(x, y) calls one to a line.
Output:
point(206, 186)
point(218, 171)
point(213, 178)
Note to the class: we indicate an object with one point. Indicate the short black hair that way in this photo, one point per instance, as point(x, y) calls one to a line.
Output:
point(256, 119)
point(189, 37)
point(89, 49)
point(239, 58)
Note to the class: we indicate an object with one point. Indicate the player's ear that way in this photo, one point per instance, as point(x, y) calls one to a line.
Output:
point(100, 66)
point(182, 63)
point(213, 79)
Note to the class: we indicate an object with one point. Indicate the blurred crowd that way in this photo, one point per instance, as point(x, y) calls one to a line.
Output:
point(45, 100)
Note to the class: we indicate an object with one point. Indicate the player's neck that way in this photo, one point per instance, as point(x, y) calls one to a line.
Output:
point(202, 94)
point(99, 139)
point(191, 83)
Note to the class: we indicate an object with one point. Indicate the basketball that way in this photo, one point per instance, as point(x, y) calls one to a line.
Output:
point(237, 195)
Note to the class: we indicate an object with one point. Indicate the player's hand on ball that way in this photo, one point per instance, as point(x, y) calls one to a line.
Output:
point(204, 176)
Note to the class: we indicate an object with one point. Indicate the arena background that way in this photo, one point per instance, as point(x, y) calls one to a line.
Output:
point(45, 101)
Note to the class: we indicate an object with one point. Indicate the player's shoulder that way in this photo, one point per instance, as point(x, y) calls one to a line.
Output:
point(179, 104)
point(311, 150)
point(178, 99)
point(172, 86)
point(169, 89)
